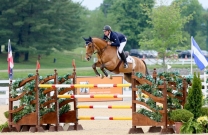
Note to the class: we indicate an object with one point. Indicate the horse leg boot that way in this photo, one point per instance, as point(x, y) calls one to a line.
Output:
point(123, 57)
point(102, 67)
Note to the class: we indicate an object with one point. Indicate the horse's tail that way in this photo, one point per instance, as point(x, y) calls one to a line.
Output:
point(147, 73)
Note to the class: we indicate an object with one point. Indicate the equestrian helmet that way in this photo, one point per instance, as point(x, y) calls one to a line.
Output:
point(107, 27)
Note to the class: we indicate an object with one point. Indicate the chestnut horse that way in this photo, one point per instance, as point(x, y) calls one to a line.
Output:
point(108, 59)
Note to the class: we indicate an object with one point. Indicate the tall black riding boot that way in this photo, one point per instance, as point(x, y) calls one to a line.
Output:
point(122, 55)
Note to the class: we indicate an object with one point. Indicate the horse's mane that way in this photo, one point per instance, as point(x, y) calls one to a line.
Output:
point(100, 39)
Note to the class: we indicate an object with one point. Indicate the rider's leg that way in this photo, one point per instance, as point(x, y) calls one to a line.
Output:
point(122, 55)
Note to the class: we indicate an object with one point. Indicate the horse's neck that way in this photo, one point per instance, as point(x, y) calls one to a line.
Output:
point(108, 52)
point(99, 43)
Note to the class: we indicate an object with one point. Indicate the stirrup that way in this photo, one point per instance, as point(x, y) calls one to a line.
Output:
point(126, 65)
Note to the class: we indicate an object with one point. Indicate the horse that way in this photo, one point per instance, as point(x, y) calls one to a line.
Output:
point(107, 58)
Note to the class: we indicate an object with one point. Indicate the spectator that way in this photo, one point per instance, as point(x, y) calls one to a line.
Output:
point(39, 56)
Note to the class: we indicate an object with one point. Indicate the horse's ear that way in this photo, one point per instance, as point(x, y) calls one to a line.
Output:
point(90, 39)
point(84, 38)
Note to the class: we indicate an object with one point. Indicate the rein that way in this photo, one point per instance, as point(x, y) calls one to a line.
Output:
point(101, 50)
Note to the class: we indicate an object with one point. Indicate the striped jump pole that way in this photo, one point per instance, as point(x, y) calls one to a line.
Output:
point(83, 85)
point(104, 106)
point(103, 118)
point(94, 96)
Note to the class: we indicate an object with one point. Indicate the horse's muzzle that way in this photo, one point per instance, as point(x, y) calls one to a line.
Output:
point(88, 58)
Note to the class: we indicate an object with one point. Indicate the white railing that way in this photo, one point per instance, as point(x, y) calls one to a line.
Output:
point(151, 61)
point(4, 95)
point(169, 61)
point(4, 91)
point(205, 84)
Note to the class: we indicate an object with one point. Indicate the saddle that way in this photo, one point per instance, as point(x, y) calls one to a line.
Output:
point(129, 58)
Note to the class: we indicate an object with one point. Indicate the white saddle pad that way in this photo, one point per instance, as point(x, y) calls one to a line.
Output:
point(129, 59)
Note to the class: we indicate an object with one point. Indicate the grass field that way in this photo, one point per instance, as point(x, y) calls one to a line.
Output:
point(63, 60)
point(63, 64)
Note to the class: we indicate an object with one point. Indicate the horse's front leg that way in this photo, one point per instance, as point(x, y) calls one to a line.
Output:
point(102, 68)
point(97, 64)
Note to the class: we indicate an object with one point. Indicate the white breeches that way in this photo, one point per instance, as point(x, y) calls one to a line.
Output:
point(121, 47)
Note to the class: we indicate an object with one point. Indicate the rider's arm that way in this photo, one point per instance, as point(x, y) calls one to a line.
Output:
point(116, 41)
point(104, 37)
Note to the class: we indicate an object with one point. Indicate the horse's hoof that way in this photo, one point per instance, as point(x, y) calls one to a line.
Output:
point(110, 77)
point(101, 76)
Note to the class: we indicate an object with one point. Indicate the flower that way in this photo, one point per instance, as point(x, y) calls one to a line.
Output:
point(203, 120)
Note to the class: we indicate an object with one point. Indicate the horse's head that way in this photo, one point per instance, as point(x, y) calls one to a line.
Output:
point(89, 48)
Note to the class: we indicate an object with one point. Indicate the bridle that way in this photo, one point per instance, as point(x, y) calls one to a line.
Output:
point(99, 51)
point(89, 55)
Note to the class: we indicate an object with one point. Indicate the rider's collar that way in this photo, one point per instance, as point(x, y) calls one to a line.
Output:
point(109, 35)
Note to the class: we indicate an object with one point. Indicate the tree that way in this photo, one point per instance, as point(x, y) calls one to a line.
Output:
point(131, 19)
point(203, 33)
point(95, 21)
point(67, 24)
point(33, 26)
point(195, 8)
point(194, 99)
point(106, 6)
point(166, 32)
point(194, 26)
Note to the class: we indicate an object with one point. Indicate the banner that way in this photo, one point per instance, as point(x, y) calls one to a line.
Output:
point(99, 91)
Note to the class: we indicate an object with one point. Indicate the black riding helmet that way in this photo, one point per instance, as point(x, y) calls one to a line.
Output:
point(107, 27)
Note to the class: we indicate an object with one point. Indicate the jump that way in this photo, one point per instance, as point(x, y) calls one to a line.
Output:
point(109, 59)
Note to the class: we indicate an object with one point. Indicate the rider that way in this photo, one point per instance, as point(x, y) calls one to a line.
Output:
point(117, 39)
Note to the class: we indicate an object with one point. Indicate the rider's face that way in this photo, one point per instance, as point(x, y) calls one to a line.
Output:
point(106, 32)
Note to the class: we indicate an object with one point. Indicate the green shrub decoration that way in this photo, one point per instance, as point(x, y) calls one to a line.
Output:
point(195, 97)
point(30, 75)
point(5, 125)
point(149, 78)
point(178, 93)
point(6, 114)
point(156, 116)
point(145, 87)
point(180, 115)
point(30, 96)
point(191, 126)
point(160, 82)
point(204, 111)
point(66, 76)
point(172, 102)
point(169, 89)
point(157, 93)
point(139, 75)
point(2, 126)
point(189, 78)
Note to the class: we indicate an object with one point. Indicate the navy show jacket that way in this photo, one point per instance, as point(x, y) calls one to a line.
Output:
point(116, 38)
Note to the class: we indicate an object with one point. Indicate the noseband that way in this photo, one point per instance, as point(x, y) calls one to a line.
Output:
point(89, 55)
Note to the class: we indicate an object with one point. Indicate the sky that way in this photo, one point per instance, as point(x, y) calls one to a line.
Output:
point(93, 4)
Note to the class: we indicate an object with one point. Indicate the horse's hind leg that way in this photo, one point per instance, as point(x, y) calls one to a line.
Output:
point(127, 77)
